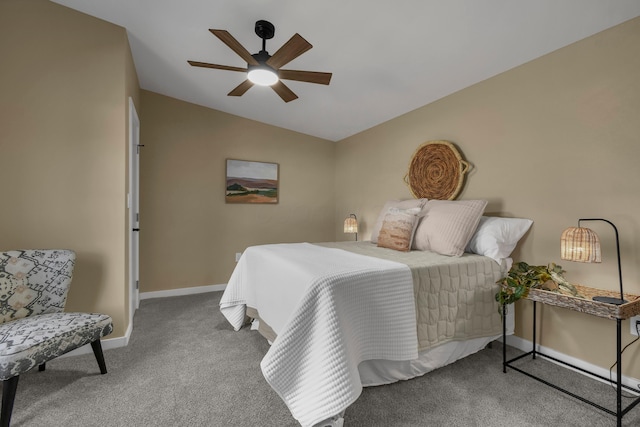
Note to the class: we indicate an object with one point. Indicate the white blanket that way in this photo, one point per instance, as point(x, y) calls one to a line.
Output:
point(331, 310)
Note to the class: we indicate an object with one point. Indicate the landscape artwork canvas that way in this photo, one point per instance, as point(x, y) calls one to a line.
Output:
point(251, 182)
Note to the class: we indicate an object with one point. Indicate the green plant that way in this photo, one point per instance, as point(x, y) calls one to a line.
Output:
point(523, 276)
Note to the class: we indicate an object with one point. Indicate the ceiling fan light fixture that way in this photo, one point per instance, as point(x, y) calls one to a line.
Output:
point(262, 75)
point(264, 69)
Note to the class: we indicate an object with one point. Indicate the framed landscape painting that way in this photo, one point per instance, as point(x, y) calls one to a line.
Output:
point(251, 182)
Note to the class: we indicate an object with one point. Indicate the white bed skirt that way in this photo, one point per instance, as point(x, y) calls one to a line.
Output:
point(379, 372)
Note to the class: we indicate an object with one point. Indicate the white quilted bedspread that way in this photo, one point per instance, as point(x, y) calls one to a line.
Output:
point(346, 308)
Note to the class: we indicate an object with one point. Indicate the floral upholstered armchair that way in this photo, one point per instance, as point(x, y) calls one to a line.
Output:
point(33, 326)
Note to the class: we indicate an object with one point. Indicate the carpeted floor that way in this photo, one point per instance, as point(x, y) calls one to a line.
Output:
point(185, 366)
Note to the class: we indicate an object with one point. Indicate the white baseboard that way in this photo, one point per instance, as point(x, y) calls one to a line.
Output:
point(182, 291)
point(525, 345)
point(107, 344)
point(110, 343)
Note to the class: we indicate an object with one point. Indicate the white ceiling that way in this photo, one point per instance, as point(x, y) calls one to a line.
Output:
point(387, 57)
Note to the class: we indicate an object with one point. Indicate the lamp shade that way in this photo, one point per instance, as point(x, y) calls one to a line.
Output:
point(351, 224)
point(583, 245)
point(580, 244)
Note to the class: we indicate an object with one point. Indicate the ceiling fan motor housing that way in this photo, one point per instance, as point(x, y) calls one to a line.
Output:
point(261, 56)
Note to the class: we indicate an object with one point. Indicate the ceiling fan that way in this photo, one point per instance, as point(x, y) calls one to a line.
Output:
point(264, 69)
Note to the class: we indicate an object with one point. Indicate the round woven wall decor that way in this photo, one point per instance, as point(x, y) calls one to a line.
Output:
point(436, 171)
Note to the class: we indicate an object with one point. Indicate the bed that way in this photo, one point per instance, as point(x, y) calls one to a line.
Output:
point(345, 315)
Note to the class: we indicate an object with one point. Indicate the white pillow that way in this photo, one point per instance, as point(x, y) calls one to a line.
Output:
point(448, 225)
point(497, 237)
point(394, 204)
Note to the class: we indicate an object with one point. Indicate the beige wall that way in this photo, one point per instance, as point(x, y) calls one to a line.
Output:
point(189, 234)
point(554, 140)
point(64, 80)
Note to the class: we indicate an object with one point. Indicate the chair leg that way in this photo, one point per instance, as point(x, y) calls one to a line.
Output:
point(42, 367)
point(97, 351)
point(9, 388)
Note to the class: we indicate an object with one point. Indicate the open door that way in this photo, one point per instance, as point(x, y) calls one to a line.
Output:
point(134, 211)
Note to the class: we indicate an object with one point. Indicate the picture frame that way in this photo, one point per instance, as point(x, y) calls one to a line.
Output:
point(252, 182)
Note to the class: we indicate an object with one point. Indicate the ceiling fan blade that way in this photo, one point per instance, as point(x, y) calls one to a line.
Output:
point(305, 76)
point(216, 66)
point(285, 93)
point(241, 88)
point(235, 45)
point(289, 51)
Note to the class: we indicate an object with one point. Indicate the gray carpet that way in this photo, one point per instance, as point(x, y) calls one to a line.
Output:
point(185, 366)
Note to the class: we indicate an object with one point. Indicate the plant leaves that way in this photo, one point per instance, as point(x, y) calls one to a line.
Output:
point(522, 277)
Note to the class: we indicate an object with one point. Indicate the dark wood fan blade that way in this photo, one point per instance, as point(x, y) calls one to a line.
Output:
point(289, 51)
point(216, 66)
point(241, 88)
point(305, 76)
point(235, 45)
point(285, 93)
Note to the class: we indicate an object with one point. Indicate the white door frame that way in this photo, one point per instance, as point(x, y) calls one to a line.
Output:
point(133, 199)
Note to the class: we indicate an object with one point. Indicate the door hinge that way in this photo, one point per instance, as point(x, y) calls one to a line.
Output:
point(138, 148)
point(137, 217)
point(137, 284)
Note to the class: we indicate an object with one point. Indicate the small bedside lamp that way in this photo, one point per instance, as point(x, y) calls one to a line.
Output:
point(583, 245)
point(351, 225)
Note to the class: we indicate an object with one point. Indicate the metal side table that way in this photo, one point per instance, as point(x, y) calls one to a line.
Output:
point(594, 308)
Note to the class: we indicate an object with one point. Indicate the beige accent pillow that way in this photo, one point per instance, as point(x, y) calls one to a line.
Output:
point(398, 204)
point(448, 225)
point(397, 230)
